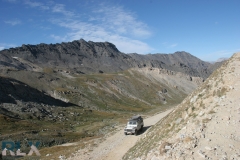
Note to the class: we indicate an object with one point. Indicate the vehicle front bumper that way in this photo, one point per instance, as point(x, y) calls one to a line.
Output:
point(129, 131)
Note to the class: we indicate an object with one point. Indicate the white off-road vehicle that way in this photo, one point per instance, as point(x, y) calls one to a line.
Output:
point(134, 125)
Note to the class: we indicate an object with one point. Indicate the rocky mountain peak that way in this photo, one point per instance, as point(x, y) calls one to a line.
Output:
point(184, 54)
point(181, 53)
point(82, 41)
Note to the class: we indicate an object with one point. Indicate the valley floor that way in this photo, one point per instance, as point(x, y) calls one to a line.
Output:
point(115, 146)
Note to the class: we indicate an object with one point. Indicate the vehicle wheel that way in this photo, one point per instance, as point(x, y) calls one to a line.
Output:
point(135, 133)
point(125, 133)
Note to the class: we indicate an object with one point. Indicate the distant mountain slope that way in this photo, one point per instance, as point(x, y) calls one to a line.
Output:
point(204, 126)
point(215, 66)
point(178, 61)
point(92, 57)
point(171, 59)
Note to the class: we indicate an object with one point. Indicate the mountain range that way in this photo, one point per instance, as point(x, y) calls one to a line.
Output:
point(82, 57)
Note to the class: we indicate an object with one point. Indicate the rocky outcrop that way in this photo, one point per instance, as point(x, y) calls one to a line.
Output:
point(18, 99)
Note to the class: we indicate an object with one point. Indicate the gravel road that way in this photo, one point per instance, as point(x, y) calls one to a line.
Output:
point(115, 146)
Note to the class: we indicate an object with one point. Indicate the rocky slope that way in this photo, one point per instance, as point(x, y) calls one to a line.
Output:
point(81, 57)
point(26, 100)
point(204, 126)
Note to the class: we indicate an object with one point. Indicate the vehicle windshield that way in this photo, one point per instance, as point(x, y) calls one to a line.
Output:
point(132, 123)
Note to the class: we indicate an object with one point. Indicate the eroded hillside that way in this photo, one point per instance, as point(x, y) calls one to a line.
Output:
point(204, 126)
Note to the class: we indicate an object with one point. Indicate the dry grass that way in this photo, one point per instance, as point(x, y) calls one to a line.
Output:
point(206, 120)
point(211, 112)
point(48, 70)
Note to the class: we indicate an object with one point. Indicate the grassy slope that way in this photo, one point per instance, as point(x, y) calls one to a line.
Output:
point(108, 92)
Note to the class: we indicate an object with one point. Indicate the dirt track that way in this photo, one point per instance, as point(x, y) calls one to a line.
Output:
point(115, 146)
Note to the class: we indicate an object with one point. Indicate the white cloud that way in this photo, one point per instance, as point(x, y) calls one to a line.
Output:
point(12, 1)
point(58, 38)
point(111, 24)
point(226, 53)
point(173, 45)
point(169, 45)
point(131, 46)
point(36, 4)
point(121, 21)
point(5, 45)
point(219, 54)
point(102, 23)
point(13, 22)
point(45, 27)
point(98, 33)
point(60, 8)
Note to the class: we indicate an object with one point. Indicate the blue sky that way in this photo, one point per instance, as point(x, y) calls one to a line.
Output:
point(208, 29)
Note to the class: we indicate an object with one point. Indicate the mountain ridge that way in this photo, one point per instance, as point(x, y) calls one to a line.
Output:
point(93, 57)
